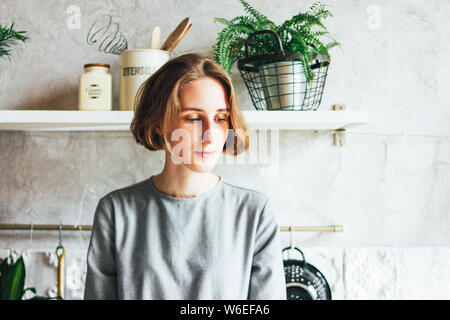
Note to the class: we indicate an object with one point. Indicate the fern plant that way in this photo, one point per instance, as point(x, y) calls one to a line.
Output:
point(301, 34)
point(8, 37)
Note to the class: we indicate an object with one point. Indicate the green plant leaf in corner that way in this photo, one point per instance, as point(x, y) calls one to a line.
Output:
point(4, 270)
point(15, 281)
point(223, 21)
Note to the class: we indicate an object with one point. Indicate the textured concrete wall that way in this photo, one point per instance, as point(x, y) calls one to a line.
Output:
point(388, 186)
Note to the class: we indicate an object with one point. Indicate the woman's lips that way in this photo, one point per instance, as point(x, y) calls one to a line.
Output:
point(205, 154)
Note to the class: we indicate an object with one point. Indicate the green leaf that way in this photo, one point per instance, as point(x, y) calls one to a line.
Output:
point(9, 37)
point(15, 281)
point(4, 270)
point(4, 267)
point(30, 289)
point(302, 34)
point(262, 19)
point(223, 21)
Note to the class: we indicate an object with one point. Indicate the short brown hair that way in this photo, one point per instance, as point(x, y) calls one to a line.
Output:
point(157, 102)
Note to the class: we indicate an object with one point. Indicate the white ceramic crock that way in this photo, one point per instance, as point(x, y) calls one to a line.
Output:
point(136, 66)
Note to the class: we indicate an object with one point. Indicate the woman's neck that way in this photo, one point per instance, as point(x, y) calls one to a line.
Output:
point(184, 183)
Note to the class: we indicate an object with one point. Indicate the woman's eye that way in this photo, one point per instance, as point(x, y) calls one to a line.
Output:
point(193, 119)
point(199, 119)
point(222, 118)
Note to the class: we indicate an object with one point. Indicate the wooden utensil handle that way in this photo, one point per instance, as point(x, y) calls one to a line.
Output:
point(60, 254)
point(172, 45)
point(156, 38)
point(176, 35)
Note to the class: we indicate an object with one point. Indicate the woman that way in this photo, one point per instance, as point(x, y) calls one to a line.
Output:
point(186, 233)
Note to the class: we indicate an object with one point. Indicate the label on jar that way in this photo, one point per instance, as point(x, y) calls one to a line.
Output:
point(94, 91)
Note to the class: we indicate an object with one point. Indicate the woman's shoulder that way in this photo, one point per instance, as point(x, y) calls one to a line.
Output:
point(241, 189)
point(245, 194)
point(131, 192)
point(252, 203)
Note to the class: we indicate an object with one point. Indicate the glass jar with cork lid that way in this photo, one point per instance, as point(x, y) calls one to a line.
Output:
point(95, 88)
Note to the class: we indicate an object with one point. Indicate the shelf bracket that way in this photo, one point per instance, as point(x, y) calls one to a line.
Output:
point(339, 137)
point(339, 134)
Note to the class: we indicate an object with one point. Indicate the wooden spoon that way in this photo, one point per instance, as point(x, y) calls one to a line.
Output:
point(156, 38)
point(176, 35)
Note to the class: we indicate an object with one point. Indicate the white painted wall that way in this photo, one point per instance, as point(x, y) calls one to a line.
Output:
point(388, 186)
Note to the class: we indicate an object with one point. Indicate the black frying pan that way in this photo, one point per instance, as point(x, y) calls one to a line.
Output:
point(303, 280)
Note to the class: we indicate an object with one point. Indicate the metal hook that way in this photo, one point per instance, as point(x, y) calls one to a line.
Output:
point(60, 236)
point(291, 228)
point(31, 231)
point(291, 241)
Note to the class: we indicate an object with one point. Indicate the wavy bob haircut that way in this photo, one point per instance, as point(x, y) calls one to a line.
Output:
point(157, 103)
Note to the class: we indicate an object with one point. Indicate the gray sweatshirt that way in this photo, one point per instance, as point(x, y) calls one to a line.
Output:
point(223, 244)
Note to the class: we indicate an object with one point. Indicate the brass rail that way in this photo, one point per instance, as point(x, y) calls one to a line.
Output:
point(43, 227)
point(314, 229)
point(50, 227)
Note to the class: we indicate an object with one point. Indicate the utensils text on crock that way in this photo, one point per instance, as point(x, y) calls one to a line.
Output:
point(156, 38)
point(176, 35)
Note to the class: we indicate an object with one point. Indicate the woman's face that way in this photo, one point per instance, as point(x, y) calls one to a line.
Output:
point(201, 128)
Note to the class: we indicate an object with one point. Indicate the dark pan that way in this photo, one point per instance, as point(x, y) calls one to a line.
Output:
point(303, 280)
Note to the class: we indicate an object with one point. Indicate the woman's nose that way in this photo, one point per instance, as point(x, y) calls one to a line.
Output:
point(208, 131)
point(207, 134)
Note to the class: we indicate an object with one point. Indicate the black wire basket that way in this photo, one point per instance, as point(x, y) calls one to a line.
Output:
point(278, 82)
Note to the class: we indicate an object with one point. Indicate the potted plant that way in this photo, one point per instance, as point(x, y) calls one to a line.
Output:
point(12, 281)
point(301, 35)
point(8, 37)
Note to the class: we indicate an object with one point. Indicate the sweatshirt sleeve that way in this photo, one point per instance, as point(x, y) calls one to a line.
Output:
point(267, 280)
point(101, 277)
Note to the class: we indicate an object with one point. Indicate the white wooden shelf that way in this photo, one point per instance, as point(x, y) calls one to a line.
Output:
point(74, 120)
point(305, 120)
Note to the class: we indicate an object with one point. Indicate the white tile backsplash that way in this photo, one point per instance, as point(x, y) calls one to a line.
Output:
point(357, 273)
